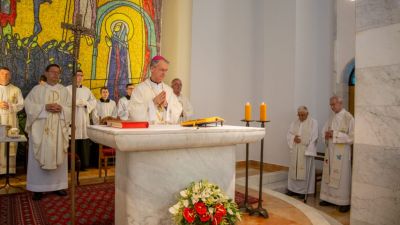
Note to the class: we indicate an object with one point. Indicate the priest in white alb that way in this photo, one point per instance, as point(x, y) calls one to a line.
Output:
point(11, 102)
point(123, 112)
point(48, 110)
point(187, 108)
point(85, 104)
point(153, 100)
point(338, 133)
point(302, 140)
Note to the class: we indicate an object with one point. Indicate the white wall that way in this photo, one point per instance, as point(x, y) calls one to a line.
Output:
point(344, 46)
point(277, 78)
point(314, 58)
point(222, 68)
point(262, 51)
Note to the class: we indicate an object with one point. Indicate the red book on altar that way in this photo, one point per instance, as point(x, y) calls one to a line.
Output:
point(129, 124)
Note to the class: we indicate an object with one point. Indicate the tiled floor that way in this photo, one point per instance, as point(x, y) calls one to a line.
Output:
point(280, 212)
point(271, 202)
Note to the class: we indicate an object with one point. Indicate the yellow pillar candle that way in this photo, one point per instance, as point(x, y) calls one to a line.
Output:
point(263, 112)
point(247, 112)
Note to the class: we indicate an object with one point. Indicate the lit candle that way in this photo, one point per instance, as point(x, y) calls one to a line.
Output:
point(263, 112)
point(247, 112)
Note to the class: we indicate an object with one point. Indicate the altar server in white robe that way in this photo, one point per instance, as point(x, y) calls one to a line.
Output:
point(338, 133)
point(11, 102)
point(48, 110)
point(85, 104)
point(123, 112)
point(302, 140)
point(153, 100)
point(187, 108)
point(105, 107)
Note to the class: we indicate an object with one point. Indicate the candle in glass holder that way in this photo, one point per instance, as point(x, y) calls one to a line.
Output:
point(247, 112)
point(263, 112)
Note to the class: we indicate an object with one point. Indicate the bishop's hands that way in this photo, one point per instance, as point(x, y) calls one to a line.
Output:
point(328, 134)
point(53, 108)
point(161, 100)
point(4, 105)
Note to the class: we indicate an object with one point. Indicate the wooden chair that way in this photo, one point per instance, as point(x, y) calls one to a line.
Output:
point(318, 172)
point(105, 153)
point(77, 165)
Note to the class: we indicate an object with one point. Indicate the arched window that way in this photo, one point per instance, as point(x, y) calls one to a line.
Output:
point(352, 78)
point(352, 84)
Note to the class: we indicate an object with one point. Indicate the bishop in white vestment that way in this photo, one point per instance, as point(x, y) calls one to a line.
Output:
point(338, 132)
point(153, 100)
point(123, 111)
point(302, 140)
point(11, 102)
point(48, 109)
point(105, 107)
point(187, 108)
point(85, 104)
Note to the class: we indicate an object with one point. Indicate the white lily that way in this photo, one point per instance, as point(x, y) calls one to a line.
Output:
point(183, 193)
point(175, 208)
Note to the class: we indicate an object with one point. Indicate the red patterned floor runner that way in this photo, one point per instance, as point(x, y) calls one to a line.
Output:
point(19, 209)
point(95, 206)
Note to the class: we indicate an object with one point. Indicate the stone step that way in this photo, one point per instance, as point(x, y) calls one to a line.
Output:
point(275, 184)
point(275, 181)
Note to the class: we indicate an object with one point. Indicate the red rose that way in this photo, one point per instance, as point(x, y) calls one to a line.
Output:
point(220, 210)
point(200, 207)
point(205, 217)
point(189, 215)
point(216, 220)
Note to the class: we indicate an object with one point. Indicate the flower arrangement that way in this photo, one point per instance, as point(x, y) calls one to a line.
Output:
point(204, 203)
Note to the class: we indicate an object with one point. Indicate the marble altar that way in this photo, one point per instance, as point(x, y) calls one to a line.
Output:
point(154, 164)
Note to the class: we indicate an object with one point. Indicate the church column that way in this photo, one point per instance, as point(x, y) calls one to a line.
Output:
point(376, 179)
point(176, 40)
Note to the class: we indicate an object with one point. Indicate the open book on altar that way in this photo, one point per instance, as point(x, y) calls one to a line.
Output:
point(127, 124)
point(203, 121)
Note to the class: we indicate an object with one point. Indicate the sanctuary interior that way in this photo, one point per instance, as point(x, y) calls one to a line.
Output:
point(284, 53)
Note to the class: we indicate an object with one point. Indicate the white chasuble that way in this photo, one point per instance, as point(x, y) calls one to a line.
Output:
point(336, 178)
point(302, 168)
point(13, 96)
point(85, 104)
point(48, 138)
point(142, 108)
point(187, 108)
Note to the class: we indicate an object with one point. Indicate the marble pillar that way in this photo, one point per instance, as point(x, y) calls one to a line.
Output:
point(176, 40)
point(376, 167)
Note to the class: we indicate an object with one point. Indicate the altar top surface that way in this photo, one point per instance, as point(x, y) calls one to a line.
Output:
point(164, 137)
